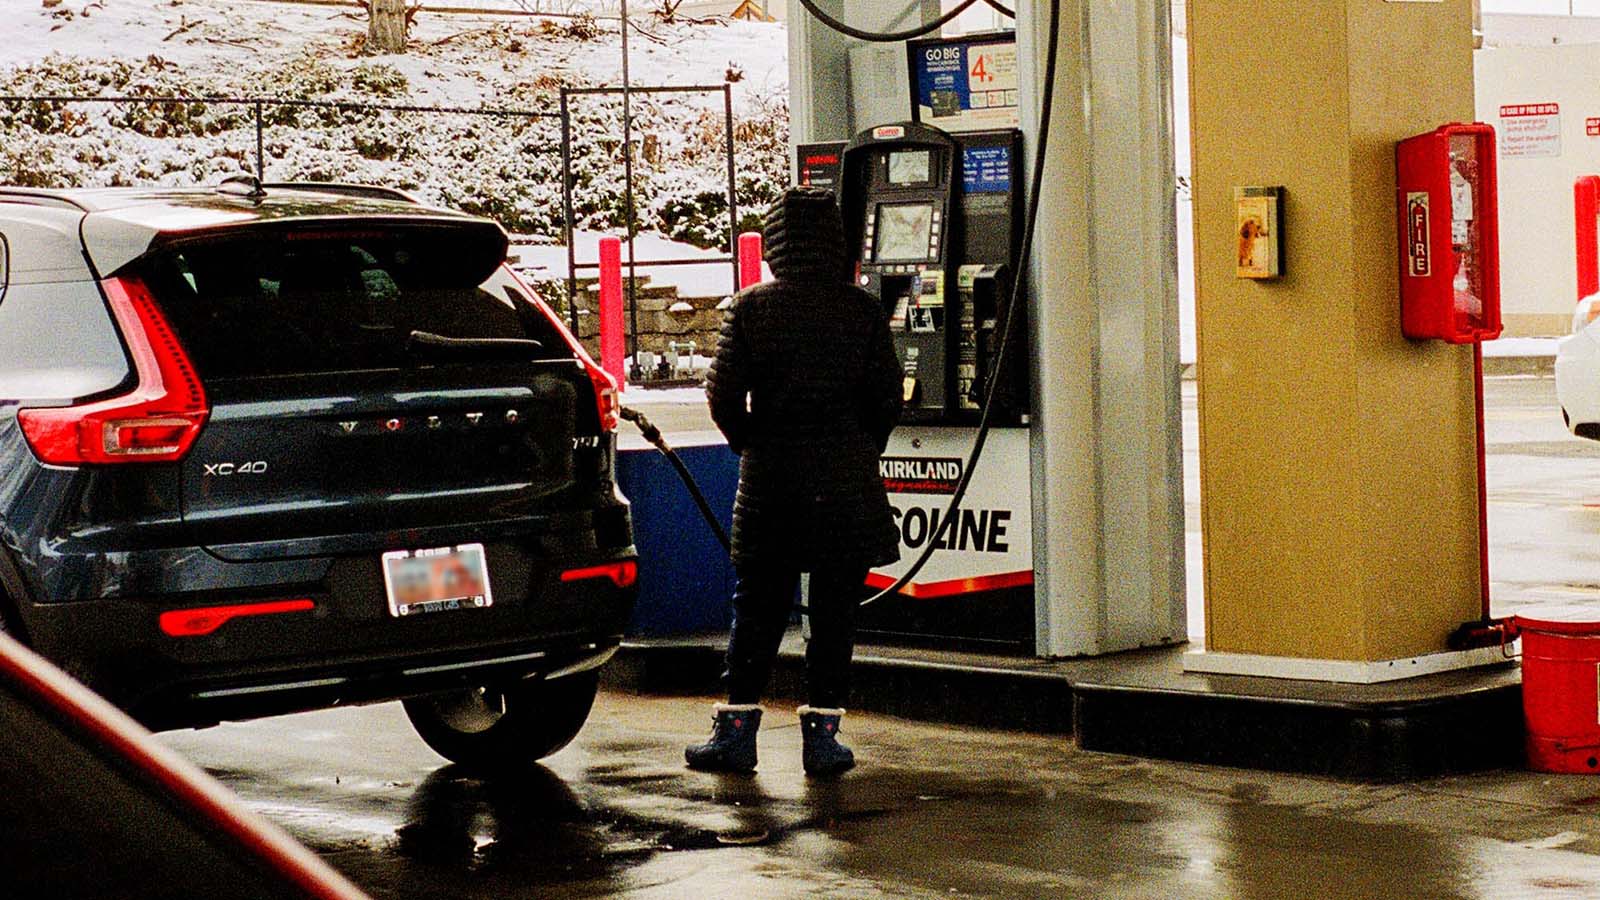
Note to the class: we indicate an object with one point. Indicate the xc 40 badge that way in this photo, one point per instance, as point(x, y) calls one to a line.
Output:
point(258, 467)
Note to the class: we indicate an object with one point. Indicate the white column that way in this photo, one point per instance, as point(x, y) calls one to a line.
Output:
point(1107, 467)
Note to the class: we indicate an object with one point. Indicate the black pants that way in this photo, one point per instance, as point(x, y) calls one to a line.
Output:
point(762, 601)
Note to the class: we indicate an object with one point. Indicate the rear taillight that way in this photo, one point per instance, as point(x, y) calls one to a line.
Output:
point(622, 574)
point(156, 422)
point(204, 620)
point(605, 395)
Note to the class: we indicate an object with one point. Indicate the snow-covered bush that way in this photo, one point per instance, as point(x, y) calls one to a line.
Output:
point(378, 80)
point(692, 205)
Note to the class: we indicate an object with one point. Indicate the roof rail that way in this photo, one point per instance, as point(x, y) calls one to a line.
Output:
point(40, 197)
point(370, 191)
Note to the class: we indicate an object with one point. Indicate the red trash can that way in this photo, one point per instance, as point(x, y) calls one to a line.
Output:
point(1561, 687)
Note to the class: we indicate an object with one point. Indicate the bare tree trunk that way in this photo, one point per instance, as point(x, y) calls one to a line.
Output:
point(386, 26)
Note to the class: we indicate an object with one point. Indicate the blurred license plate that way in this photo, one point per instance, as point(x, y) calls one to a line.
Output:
point(439, 580)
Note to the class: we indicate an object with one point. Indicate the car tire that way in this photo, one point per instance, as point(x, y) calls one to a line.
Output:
point(500, 726)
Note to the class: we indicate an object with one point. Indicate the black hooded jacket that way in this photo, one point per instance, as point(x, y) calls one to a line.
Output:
point(812, 354)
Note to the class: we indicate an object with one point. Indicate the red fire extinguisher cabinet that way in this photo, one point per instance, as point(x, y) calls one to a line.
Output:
point(1447, 187)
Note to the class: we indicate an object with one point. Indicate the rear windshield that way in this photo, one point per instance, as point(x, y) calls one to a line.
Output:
point(289, 304)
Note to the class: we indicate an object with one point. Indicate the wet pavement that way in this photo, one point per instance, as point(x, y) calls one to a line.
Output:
point(933, 811)
point(1544, 500)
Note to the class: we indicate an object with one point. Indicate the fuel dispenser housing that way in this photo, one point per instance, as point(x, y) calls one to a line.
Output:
point(932, 219)
point(932, 205)
point(1446, 189)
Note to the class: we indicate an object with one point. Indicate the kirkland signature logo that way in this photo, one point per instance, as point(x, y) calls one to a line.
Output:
point(928, 475)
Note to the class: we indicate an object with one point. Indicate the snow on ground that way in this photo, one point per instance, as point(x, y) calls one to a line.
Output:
point(1521, 347)
point(448, 63)
point(549, 262)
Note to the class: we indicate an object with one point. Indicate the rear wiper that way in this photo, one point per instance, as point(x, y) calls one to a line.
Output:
point(475, 348)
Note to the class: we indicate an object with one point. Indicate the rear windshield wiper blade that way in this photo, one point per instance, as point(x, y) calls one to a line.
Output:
point(498, 348)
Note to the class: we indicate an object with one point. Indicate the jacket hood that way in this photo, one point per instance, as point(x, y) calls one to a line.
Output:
point(804, 238)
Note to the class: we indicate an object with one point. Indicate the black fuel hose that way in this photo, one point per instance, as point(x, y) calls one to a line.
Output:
point(1031, 219)
point(653, 434)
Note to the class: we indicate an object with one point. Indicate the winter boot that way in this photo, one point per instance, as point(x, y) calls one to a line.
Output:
point(732, 747)
point(822, 754)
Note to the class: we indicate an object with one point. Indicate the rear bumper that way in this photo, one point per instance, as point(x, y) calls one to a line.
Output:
point(347, 649)
point(221, 697)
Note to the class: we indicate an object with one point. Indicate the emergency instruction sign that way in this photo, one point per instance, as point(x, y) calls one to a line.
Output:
point(988, 544)
point(1529, 130)
point(965, 85)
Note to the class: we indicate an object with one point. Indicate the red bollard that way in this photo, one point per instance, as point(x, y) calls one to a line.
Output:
point(749, 259)
point(611, 336)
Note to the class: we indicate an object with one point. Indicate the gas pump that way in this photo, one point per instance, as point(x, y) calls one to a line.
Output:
point(931, 217)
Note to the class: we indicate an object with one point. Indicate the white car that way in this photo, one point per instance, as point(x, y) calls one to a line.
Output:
point(1578, 371)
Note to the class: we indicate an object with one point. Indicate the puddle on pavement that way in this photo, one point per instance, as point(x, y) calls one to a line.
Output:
point(918, 833)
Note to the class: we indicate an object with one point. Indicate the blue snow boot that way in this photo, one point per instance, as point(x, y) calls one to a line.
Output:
point(732, 747)
point(821, 753)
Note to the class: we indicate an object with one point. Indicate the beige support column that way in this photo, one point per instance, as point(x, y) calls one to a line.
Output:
point(1338, 467)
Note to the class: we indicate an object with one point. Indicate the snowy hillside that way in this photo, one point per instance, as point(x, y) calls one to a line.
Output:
point(503, 166)
point(453, 59)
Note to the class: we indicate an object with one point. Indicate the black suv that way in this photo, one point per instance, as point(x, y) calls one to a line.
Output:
point(268, 450)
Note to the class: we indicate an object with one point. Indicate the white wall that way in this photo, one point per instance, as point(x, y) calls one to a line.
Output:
point(1542, 7)
point(1539, 31)
point(1537, 245)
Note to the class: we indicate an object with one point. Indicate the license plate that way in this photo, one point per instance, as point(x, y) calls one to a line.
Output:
point(438, 580)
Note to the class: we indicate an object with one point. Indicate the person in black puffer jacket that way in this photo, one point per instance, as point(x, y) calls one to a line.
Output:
point(806, 388)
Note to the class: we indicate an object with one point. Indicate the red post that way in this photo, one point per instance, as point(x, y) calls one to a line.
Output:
point(1483, 481)
point(749, 259)
point(1586, 211)
point(611, 336)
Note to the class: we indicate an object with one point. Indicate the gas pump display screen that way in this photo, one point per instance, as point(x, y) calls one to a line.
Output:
point(904, 232)
point(911, 167)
